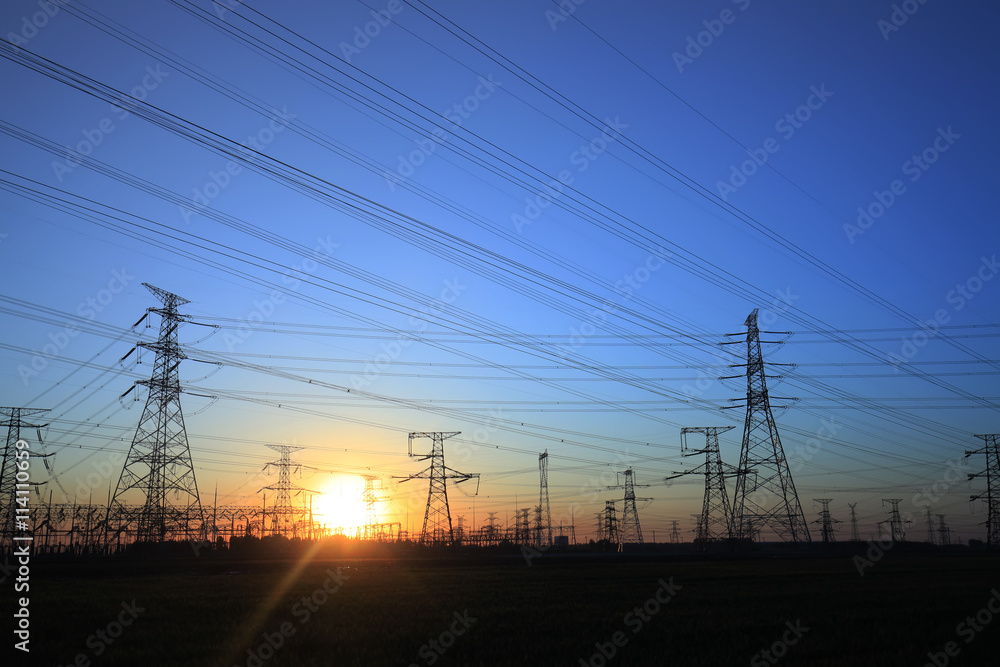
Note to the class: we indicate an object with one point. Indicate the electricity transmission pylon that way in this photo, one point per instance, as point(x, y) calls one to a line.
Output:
point(609, 526)
point(629, 530)
point(675, 535)
point(283, 514)
point(991, 448)
point(897, 528)
point(370, 530)
point(158, 467)
point(10, 485)
point(437, 515)
point(543, 533)
point(769, 497)
point(826, 520)
point(716, 513)
point(930, 526)
point(944, 533)
point(855, 535)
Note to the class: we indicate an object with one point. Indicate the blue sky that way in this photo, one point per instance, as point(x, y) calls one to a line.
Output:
point(448, 122)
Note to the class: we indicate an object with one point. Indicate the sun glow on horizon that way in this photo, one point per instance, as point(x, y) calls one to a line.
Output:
point(340, 505)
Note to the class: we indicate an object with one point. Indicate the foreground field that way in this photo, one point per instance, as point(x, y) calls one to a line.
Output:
point(816, 611)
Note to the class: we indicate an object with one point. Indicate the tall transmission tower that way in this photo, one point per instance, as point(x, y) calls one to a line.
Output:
point(716, 513)
point(285, 519)
point(991, 448)
point(543, 534)
point(675, 535)
point(930, 526)
point(855, 535)
point(609, 527)
point(944, 533)
point(8, 470)
point(897, 530)
point(769, 497)
point(629, 530)
point(437, 515)
point(158, 468)
point(370, 530)
point(826, 520)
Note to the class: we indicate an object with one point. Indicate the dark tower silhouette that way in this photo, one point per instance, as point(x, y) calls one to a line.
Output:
point(826, 520)
point(767, 496)
point(158, 468)
point(9, 485)
point(285, 519)
point(629, 531)
point(543, 533)
point(437, 515)
point(991, 448)
point(855, 535)
point(716, 513)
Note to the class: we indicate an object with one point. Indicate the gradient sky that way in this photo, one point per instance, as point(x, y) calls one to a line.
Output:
point(402, 199)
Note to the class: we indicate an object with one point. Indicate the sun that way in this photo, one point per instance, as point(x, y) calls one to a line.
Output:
point(340, 505)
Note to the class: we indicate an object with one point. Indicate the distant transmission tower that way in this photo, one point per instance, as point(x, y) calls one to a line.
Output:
point(283, 514)
point(991, 448)
point(897, 531)
point(629, 531)
point(158, 466)
point(716, 514)
point(826, 520)
point(543, 534)
point(855, 535)
point(944, 533)
point(370, 530)
point(930, 526)
point(9, 485)
point(609, 530)
point(675, 535)
point(769, 497)
point(437, 515)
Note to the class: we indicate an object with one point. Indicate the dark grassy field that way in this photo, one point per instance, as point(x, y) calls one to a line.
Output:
point(724, 612)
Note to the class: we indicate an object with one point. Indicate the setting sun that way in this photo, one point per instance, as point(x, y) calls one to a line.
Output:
point(340, 506)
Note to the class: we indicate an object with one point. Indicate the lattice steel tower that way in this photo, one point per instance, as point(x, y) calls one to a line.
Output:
point(283, 514)
point(855, 535)
point(629, 530)
point(825, 520)
point(897, 527)
point(543, 534)
point(609, 527)
point(767, 496)
point(991, 448)
point(437, 515)
point(716, 514)
point(8, 470)
point(158, 466)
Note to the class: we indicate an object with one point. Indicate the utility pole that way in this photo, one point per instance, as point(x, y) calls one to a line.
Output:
point(629, 532)
point(14, 490)
point(769, 498)
point(158, 468)
point(991, 448)
point(437, 515)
